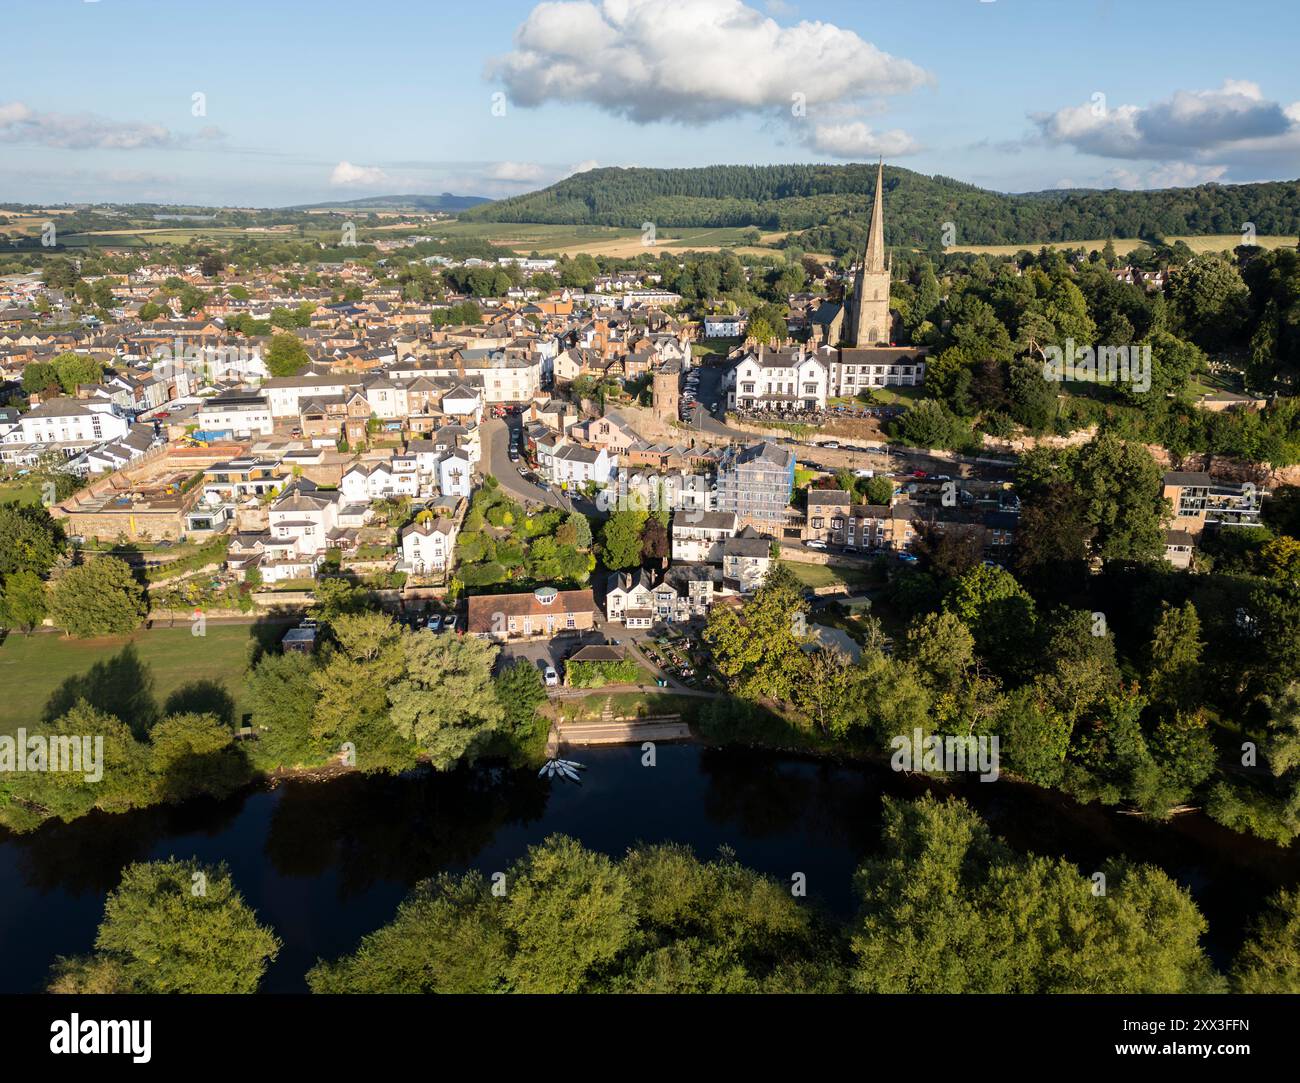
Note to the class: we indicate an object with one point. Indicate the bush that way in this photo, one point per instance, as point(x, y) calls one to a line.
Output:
point(599, 674)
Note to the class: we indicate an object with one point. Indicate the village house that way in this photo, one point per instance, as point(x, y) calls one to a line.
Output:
point(544, 612)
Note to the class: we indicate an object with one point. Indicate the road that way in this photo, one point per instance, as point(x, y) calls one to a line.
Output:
point(497, 435)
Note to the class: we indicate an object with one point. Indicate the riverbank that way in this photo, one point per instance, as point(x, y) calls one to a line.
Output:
point(326, 864)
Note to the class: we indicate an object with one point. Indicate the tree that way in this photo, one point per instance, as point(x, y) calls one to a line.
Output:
point(192, 754)
point(76, 368)
point(655, 543)
point(657, 920)
point(758, 651)
point(1054, 534)
point(446, 703)
point(23, 602)
point(1120, 486)
point(823, 690)
point(178, 927)
point(286, 355)
point(998, 612)
point(99, 598)
point(281, 697)
point(1269, 960)
point(354, 680)
point(1280, 557)
point(40, 376)
point(1174, 656)
point(949, 908)
point(30, 540)
point(621, 539)
point(942, 648)
point(879, 491)
point(581, 529)
point(520, 691)
point(1208, 299)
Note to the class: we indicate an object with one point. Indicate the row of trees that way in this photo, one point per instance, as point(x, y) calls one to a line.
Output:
point(944, 907)
point(1121, 701)
point(832, 203)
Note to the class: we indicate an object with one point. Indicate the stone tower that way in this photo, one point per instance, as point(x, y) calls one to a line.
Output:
point(666, 386)
point(871, 323)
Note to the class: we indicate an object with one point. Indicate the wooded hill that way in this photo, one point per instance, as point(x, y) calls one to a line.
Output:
point(831, 203)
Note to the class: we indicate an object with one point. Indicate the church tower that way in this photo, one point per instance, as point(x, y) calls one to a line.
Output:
point(871, 322)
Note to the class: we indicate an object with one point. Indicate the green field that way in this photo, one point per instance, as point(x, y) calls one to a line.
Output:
point(823, 575)
point(129, 674)
point(596, 240)
point(20, 491)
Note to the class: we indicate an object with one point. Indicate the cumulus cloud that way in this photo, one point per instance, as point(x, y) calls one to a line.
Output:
point(19, 123)
point(347, 175)
point(857, 140)
point(1166, 175)
point(690, 61)
point(517, 172)
point(1190, 124)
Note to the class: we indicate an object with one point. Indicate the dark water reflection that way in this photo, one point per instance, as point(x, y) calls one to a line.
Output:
point(325, 863)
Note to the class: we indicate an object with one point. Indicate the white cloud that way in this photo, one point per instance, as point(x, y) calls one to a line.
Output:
point(1166, 175)
point(19, 123)
point(1206, 124)
point(347, 175)
point(517, 172)
point(857, 140)
point(690, 61)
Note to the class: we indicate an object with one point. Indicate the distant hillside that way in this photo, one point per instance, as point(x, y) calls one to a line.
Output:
point(445, 202)
point(831, 202)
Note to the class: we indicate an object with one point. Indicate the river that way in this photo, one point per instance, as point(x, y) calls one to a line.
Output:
point(326, 862)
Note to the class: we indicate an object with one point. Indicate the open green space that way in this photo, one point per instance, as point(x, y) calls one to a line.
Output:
point(42, 670)
point(824, 575)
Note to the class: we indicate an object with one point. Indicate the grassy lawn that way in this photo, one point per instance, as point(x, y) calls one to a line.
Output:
point(134, 673)
point(20, 491)
point(823, 575)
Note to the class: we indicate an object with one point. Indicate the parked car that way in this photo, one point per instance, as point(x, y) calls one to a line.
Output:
point(815, 544)
point(832, 445)
point(434, 623)
point(552, 678)
point(514, 454)
point(919, 474)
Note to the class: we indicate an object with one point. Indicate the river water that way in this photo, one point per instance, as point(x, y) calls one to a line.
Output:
point(326, 862)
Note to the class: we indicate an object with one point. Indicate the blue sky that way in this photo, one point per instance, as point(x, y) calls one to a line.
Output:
point(311, 101)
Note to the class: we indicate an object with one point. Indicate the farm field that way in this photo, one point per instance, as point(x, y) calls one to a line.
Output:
point(598, 240)
point(120, 671)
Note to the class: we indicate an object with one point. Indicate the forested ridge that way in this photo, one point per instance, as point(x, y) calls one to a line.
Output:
point(831, 203)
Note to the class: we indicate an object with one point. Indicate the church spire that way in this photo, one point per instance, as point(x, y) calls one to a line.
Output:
point(874, 257)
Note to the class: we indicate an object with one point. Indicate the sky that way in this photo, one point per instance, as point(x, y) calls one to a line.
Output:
point(276, 103)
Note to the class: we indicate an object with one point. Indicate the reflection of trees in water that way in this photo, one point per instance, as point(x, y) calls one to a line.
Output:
point(88, 854)
point(761, 795)
point(397, 828)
